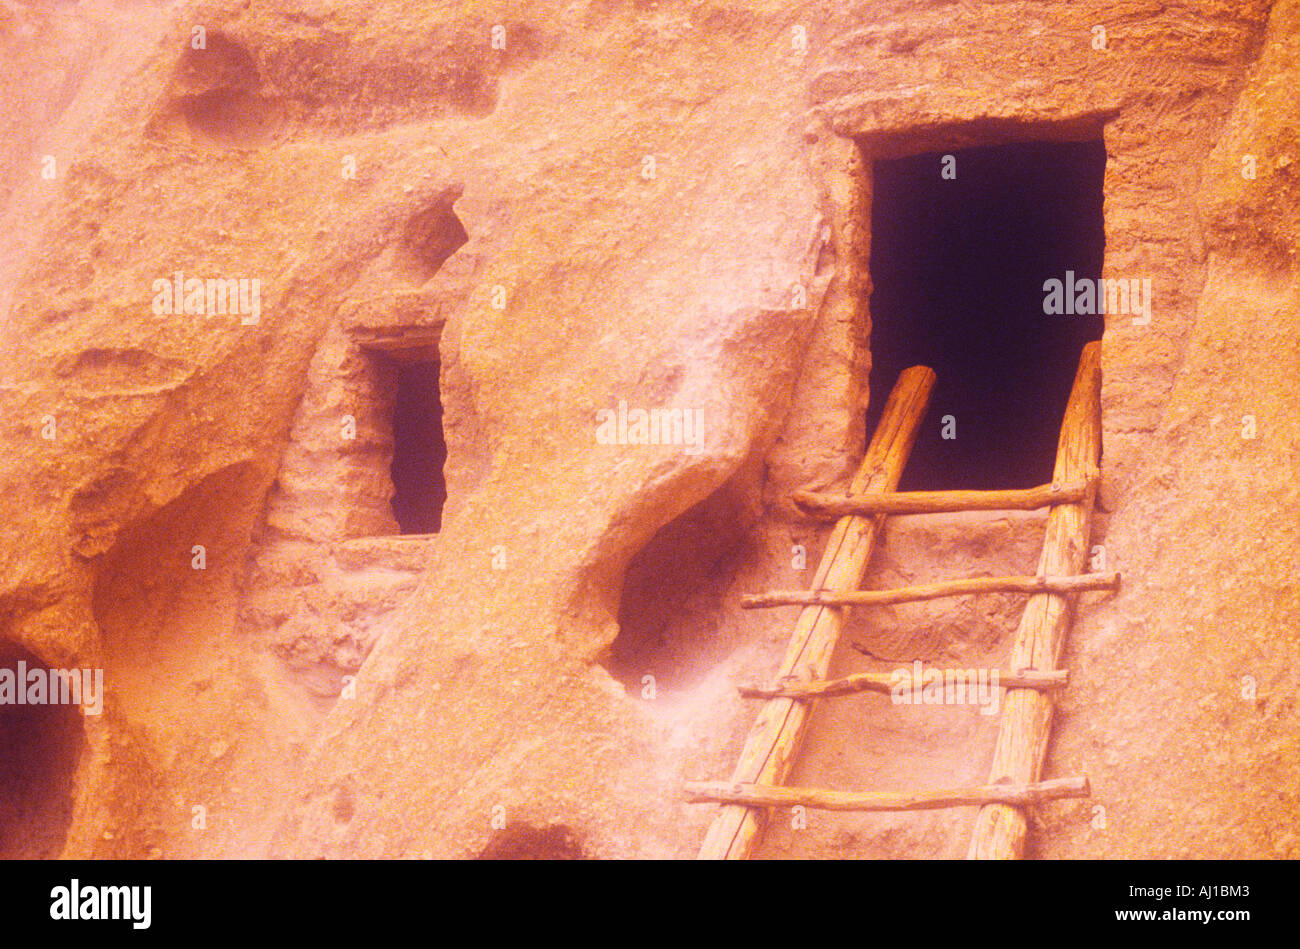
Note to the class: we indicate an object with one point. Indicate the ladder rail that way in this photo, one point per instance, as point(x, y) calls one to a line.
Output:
point(1026, 722)
point(774, 739)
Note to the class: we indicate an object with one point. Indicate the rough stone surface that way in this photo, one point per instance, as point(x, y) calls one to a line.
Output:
point(658, 203)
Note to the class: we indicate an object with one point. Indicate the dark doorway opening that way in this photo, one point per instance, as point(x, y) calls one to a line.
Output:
point(419, 448)
point(957, 270)
point(40, 746)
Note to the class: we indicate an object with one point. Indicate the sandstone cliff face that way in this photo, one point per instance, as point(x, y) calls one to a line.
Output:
point(659, 204)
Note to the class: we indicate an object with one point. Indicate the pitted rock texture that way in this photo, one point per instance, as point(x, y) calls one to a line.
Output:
point(659, 203)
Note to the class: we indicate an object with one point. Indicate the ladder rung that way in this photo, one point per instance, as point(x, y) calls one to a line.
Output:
point(933, 591)
point(831, 506)
point(887, 682)
point(761, 795)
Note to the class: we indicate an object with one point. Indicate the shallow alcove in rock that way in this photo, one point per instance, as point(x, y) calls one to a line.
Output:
point(960, 252)
point(234, 117)
point(519, 841)
point(431, 237)
point(218, 94)
point(672, 610)
point(40, 746)
point(220, 61)
point(165, 594)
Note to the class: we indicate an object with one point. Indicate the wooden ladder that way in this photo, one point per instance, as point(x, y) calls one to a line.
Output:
point(1015, 778)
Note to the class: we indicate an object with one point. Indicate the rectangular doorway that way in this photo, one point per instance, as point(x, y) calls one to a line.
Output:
point(410, 409)
point(962, 244)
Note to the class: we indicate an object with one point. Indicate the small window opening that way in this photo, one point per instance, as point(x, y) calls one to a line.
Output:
point(958, 265)
point(419, 447)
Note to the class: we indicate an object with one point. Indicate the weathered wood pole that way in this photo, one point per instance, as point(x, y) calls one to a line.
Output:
point(887, 682)
point(935, 591)
point(1027, 714)
point(938, 502)
point(828, 800)
point(774, 738)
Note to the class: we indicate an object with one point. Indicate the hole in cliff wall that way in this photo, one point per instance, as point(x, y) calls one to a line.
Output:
point(431, 237)
point(40, 746)
point(232, 116)
point(958, 266)
point(419, 448)
point(672, 611)
point(221, 61)
point(216, 92)
point(517, 841)
point(164, 594)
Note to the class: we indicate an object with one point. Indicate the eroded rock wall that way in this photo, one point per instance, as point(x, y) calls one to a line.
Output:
point(663, 204)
